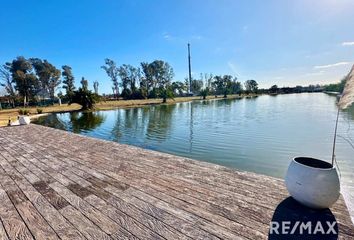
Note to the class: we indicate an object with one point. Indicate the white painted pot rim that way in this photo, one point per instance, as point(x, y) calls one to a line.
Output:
point(312, 167)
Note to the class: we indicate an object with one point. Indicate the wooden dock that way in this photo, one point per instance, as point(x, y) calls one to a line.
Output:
point(59, 185)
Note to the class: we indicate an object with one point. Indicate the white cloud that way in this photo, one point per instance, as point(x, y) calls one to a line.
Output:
point(347, 43)
point(331, 65)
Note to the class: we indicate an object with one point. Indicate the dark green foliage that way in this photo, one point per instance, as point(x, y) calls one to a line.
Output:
point(23, 111)
point(85, 98)
point(166, 93)
point(196, 86)
point(336, 87)
point(143, 93)
point(26, 82)
point(39, 110)
point(129, 75)
point(69, 81)
point(86, 120)
point(126, 93)
point(236, 87)
point(204, 93)
point(157, 74)
point(48, 76)
point(251, 86)
point(274, 89)
point(223, 84)
point(154, 93)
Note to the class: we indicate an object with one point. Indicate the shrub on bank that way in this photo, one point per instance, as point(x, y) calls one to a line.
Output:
point(23, 111)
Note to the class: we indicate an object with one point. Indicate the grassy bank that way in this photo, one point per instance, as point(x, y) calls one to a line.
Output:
point(104, 105)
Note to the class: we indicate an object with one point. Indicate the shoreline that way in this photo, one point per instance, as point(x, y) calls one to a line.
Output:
point(12, 114)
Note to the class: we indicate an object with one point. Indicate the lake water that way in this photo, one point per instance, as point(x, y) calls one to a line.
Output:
point(259, 134)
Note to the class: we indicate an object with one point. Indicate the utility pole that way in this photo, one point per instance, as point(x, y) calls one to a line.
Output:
point(189, 70)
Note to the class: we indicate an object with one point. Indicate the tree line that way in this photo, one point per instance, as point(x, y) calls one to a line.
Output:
point(155, 79)
point(31, 80)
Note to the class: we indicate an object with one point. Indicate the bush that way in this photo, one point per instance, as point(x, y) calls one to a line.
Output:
point(126, 94)
point(154, 93)
point(204, 93)
point(165, 93)
point(85, 98)
point(39, 110)
point(23, 111)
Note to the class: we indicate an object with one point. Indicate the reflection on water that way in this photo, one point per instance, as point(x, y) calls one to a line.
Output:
point(76, 122)
point(255, 134)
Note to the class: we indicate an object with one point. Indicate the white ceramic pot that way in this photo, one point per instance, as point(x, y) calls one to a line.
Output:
point(24, 120)
point(313, 182)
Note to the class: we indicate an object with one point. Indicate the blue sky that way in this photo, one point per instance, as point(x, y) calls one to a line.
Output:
point(274, 42)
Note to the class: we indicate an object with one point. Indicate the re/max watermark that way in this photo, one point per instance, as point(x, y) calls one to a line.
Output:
point(306, 228)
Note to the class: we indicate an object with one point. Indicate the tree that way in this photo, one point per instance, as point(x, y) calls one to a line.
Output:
point(178, 87)
point(197, 85)
point(147, 81)
point(130, 76)
point(48, 76)
point(157, 76)
point(223, 84)
point(273, 89)
point(6, 81)
point(95, 86)
point(26, 82)
point(84, 84)
point(85, 98)
point(251, 86)
point(336, 87)
point(113, 72)
point(236, 87)
point(166, 93)
point(204, 93)
point(54, 82)
point(69, 81)
point(208, 80)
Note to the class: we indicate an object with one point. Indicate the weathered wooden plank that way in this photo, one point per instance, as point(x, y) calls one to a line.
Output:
point(106, 194)
point(129, 223)
point(35, 222)
point(3, 234)
point(13, 223)
point(123, 234)
point(32, 214)
point(196, 209)
point(222, 233)
point(85, 226)
point(60, 225)
point(106, 224)
point(153, 223)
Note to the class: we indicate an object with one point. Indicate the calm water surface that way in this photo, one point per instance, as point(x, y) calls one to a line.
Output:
point(256, 134)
